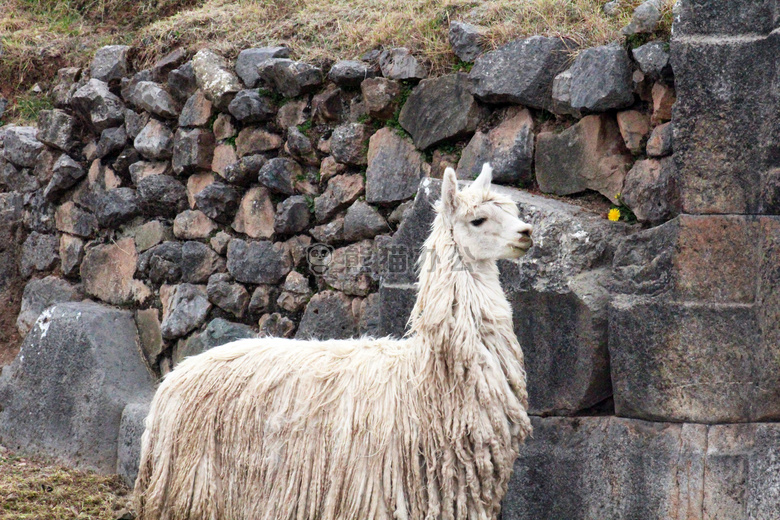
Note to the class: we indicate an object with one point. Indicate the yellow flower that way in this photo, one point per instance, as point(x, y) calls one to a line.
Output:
point(614, 215)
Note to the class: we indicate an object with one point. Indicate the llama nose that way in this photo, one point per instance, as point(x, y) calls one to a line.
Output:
point(526, 232)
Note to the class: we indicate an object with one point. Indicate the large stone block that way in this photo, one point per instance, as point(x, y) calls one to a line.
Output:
point(64, 394)
point(694, 334)
point(608, 468)
point(558, 293)
point(725, 17)
point(440, 109)
point(520, 72)
point(726, 119)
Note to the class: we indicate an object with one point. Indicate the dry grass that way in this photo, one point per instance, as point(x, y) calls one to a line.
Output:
point(33, 489)
point(40, 36)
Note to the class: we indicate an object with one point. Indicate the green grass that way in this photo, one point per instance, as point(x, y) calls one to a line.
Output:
point(26, 108)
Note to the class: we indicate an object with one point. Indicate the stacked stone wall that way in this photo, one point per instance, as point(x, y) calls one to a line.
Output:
point(210, 201)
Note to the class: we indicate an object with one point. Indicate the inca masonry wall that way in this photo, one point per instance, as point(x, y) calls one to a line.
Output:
point(203, 200)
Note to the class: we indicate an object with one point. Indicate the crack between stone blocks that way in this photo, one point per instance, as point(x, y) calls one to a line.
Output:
point(704, 471)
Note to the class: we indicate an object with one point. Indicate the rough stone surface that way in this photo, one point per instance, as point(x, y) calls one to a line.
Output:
point(110, 63)
point(589, 155)
point(660, 142)
point(107, 272)
point(193, 225)
point(71, 253)
point(381, 97)
point(290, 78)
point(726, 102)
point(328, 315)
point(153, 98)
point(329, 233)
point(645, 19)
point(693, 293)
point(663, 101)
point(608, 467)
point(293, 113)
point(252, 141)
point(198, 262)
point(185, 307)
point(279, 175)
point(394, 168)
point(56, 128)
point(39, 295)
point(197, 111)
point(70, 218)
point(224, 156)
point(18, 179)
point(520, 72)
point(161, 195)
point(342, 191)
point(467, 40)
point(634, 127)
point(117, 207)
point(509, 148)
point(601, 79)
point(63, 396)
point(135, 122)
point(150, 234)
point(261, 299)
point(352, 269)
point(650, 190)
point(228, 296)
point(149, 334)
point(218, 201)
point(245, 170)
point(155, 141)
point(295, 292)
point(196, 183)
point(193, 150)
point(21, 147)
point(292, 216)
point(97, 106)
point(401, 65)
point(143, 169)
point(349, 144)
point(39, 253)
point(162, 263)
point(182, 82)
point(112, 141)
point(653, 59)
point(67, 173)
point(249, 59)
point(350, 73)
point(259, 262)
point(217, 332)
point(250, 107)
point(276, 326)
point(255, 216)
point(215, 78)
point(440, 109)
point(131, 428)
point(363, 221)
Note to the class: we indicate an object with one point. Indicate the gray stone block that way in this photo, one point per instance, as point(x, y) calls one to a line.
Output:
point(64, 394)
point(520, 72)
point(609, 468)
point(440, 109)
point(128, 452)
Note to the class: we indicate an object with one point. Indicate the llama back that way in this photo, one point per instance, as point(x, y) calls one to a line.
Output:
point(272, 428)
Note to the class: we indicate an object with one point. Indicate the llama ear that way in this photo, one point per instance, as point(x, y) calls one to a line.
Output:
point(482, 183)
point(449, 191)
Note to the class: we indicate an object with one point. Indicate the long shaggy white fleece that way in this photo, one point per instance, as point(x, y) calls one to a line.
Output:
point(426, 427)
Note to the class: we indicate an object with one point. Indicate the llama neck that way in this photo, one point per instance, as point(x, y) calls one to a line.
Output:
point(460, 308)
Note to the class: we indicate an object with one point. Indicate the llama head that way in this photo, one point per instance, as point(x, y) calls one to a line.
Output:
point(485, 224)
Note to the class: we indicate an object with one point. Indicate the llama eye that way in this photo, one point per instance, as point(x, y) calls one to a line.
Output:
point(478, 222)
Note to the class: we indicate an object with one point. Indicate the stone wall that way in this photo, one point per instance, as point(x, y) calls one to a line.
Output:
point(210, 201)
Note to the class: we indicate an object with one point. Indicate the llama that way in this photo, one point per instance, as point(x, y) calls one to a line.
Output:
point(427, 426)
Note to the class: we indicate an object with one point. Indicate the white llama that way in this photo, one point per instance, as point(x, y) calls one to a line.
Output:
point(426, 427)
